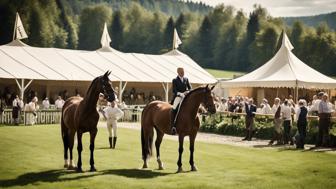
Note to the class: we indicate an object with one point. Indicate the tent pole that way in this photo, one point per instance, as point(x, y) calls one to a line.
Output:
point(121, 90)
point(296, 92)
point(277, 93)
point(165, 88)
point(22, 87)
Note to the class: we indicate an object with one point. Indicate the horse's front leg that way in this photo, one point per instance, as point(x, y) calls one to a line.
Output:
point(92, 146)
point(79, 149)
point(179, 162)
point(192, 144)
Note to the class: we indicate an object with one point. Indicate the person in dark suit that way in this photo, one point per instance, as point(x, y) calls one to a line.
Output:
point(181, 86)
point(250, 110)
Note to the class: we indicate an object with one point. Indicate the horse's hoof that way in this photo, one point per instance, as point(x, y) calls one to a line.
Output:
point(79, 170)
point(161, 168)
point(93, 169)
point(193, 168)
point(65, 166)
point(144, 166)
point(71, 167)
point(179, 170)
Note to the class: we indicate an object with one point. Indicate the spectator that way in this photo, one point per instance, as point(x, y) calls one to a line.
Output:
point(250, 110)
point(59, 103)
point(315, 104)
point(324, 113)
point(266, 108)
point(45, 103)
point(276, 110)
point(17, 106)
point(286, 111)
point(30, 109)
point(301, 120)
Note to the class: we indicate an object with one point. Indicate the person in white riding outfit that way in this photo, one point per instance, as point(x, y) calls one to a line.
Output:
point(112, 114)
point(181, 86)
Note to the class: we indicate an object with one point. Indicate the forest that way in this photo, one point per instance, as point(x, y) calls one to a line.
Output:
point(220, 37)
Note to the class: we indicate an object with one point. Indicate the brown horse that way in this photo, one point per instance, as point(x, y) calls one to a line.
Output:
point(157, 114)
point(80, 115)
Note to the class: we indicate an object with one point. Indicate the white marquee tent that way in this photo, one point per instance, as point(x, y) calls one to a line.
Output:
point(22, 62)
point(283, 70)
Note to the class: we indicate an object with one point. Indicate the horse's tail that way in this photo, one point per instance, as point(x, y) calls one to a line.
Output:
point(65, 137)
point(146, 138)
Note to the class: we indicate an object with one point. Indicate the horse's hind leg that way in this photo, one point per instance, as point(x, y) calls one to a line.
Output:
point(71, 138)
point(159, 136)
point(179, 162)
point(65, 139)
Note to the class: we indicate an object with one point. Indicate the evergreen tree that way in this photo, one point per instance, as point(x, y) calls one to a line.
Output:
point(168, 35)
point(205, 43)
point(117, 29)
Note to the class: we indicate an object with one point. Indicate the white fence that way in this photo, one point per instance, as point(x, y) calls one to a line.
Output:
point(53, 116)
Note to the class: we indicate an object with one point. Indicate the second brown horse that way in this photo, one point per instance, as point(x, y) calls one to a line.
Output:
point(157, 114)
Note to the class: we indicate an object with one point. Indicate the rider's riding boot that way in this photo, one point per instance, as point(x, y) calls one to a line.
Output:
point(110, 141)
point(114, 142)
point(172, 122)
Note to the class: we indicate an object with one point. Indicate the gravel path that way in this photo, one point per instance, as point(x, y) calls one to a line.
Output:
point(224, 139)
point(207, 137)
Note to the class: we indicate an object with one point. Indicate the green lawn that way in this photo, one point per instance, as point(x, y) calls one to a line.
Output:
point(32, 157)
point(223, 73)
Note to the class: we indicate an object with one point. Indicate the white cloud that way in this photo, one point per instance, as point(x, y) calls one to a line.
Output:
point(281, 7)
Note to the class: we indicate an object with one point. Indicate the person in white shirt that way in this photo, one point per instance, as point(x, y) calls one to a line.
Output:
point(324, 113)
point(315, 104)
point(59, 102)
point(266, 108)
point(112, 113)
point(31, 108)
point(45, 103)
point(286, 111)
point(277, 134)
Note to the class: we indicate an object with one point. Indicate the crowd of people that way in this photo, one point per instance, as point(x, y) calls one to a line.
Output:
point(285, 112)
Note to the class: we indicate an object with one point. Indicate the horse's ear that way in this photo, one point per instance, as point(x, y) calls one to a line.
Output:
point(105, 75)
point(212, 87)
point(108, 73)
point(207, 87)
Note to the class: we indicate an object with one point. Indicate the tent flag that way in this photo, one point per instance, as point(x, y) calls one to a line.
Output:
point(105, 39)
point(286, 42)
point(20, 32)
point(176, 41)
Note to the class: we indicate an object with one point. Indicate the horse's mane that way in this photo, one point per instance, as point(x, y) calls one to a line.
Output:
point(194, 91)
point(94, 81)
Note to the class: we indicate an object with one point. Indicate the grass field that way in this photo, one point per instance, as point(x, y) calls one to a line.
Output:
point(223, 73)
point(32, 157)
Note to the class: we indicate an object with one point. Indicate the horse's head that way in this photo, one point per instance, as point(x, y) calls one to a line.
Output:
point(106, 88)
point(208, 101)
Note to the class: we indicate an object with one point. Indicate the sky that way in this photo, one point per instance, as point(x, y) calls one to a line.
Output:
point(281, 8)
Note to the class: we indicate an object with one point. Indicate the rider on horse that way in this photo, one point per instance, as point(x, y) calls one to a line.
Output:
point(181, 86)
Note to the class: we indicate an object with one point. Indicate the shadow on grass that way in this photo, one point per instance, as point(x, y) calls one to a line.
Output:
point(135, 173)
point(61, 176)
point(43, 176)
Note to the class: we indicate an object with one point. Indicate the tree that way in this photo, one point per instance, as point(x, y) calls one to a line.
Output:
point(117, 29)
point(205, 43)
point(297, 36)
point(91, 26)
point(168, 34)
point(181, 26)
